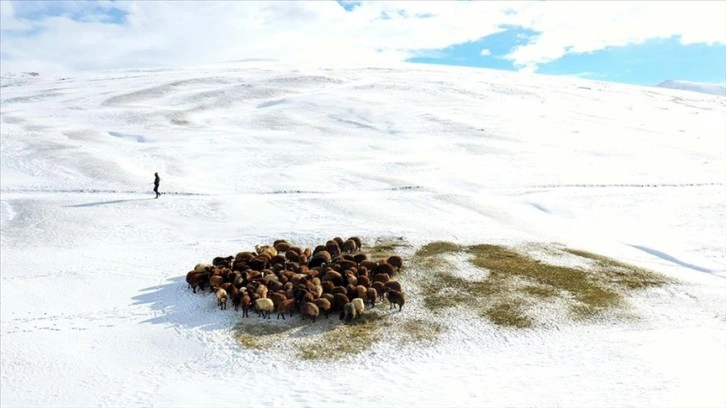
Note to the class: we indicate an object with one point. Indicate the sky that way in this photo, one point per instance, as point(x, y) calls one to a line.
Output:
point(631, 42)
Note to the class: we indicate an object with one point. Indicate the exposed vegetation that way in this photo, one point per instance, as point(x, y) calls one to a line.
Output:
point(346, 340)
point(384, 247)
point(515, 281)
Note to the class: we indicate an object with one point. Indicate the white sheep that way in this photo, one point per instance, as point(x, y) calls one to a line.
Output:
point(221, 298)
point(264, 306)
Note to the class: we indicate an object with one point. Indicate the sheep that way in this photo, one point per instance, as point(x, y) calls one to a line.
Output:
point(282, 246)
point(364, 281)
point(215, 282)
point(357, 241)
point(264, 307)
point(269, 249)
point(360, 306)
point(223, 261)
point(221, 298)
point(395, 261)
point(358, 258)
point(394, 285)
point(309, 309)
point(198, 280)
point(384, 268)
point(246, 302)
point(333, 248)
point(202, 267)
point(379, 287)
point(287, 305)
point(340, 300)
point(349, 246)
point(382, 277)
point(324, 305)
point(352, 310)
point(372, 296)
point(395, 298)
point(362, 291)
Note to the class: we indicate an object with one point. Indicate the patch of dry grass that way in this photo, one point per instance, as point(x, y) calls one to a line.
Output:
point(345, 340)
point(419, 330)
point(259, 335)
point(516, 280)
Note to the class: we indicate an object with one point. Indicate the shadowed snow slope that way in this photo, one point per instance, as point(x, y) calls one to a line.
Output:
point(95, 310)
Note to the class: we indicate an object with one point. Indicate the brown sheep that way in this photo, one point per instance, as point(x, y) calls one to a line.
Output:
point(395, 298)
point(382, 277)
point(362, 291)
point(277, 298)
point(223, 261)
point(357, 241)
point(215, 282)
point(221, 298)
point(332, 248)
point(349, 246)
point(282, 246)
point(339, 241)
point(246, 302)
point(198, 280)
point(340, 300)
point(384, 268)
point(287, 305)
point(395, 261)
point(358, 258)
point(372, 296)
point(364, 281)
point(379, 287)
point(244, 256)
point(351, 310)
point(309, 309)
point(395, 285)
point(324, 305)
point(292, 256)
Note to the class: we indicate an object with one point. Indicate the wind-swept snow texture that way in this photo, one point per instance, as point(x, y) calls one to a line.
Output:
point(95, 310)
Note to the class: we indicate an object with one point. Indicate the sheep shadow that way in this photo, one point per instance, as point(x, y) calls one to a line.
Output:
point(174, 304)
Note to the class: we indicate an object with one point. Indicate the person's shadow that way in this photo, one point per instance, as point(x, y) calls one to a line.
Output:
point(99, 203)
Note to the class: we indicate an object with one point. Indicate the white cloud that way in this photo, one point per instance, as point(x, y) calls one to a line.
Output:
point(485, 52)
point(176, 32)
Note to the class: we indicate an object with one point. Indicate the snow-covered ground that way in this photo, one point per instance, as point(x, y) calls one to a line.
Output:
point(95, 310)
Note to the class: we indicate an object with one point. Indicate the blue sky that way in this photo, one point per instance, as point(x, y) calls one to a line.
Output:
point(648, 63)
point(631, 42)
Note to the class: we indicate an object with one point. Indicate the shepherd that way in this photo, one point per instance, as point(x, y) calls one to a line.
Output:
point(156, 184)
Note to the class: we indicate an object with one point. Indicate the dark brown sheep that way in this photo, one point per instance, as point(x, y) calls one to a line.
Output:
point(395, 285)
point(198, 280)
point(364, 280)
point(384, 268)
point(358, 258)
point(349, 246)
point(324, 305)
point(379, 287)
point(332, 248)
point(282, 246)
point(358, 242)
point(395, 261)
point(223, 261)
point(339, 241)
point(340, 300)
point(395, 298)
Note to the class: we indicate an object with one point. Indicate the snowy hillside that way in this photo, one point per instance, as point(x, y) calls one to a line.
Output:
point(95, 310)
point(713, 89)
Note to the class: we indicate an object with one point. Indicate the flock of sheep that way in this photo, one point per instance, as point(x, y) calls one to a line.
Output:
point(283, 278)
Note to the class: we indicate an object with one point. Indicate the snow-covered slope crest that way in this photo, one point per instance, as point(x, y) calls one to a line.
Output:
point(95, 310)
point(707, 88)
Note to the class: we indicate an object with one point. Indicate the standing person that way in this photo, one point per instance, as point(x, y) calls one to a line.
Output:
point(156, 184)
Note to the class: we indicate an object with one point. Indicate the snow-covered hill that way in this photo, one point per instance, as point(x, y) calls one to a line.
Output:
point(94, 307)
point(712, 89)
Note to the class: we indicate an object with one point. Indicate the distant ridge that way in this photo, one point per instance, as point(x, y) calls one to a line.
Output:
point(712, 89)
